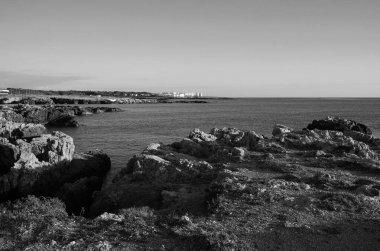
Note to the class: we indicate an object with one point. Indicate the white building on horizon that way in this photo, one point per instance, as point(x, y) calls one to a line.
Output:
point(183, 94)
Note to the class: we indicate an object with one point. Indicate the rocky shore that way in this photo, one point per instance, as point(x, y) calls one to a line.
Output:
point(86, 100)
point(33, 162)
point(71, 100)
point(57, 116)
point(316, 188)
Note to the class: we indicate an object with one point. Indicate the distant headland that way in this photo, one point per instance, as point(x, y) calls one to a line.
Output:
point(41, 97)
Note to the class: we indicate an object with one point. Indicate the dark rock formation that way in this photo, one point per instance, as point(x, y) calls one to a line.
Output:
point(56, 116)
point(339, 124)
point(79, 111)
point(64, 120)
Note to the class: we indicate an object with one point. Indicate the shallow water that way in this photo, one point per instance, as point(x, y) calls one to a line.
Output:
point(123, 134)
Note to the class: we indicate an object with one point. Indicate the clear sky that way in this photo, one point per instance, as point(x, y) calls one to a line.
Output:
point(252, 48)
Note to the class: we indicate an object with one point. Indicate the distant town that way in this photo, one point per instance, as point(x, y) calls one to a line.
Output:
point(120, 94)
point(182, 94)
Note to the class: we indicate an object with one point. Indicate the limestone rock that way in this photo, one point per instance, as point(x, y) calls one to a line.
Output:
point(198, 134)
point(279, 130)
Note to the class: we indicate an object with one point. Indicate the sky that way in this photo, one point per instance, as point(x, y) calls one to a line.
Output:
point(232, 48)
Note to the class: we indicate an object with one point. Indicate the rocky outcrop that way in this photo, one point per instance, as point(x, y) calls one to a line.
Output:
point(79, 111)
point(32, 100)
point(224, 190)
point(56, 116)
point(339, 124)
point(101, 100)
point(162, 175)
point(279, 130)
point(32, 162)
point(49, 115)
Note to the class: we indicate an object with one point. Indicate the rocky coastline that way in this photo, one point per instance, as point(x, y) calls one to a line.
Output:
point(50, 115)
point(316, 188)
point(33, 162)
point(86, 100)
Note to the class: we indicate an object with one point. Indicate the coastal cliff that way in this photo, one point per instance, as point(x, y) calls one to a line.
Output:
point(316, 188)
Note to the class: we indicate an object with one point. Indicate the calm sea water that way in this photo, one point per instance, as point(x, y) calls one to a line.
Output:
point(121, 135)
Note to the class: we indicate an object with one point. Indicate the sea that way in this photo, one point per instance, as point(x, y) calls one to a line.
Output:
point(124, 134)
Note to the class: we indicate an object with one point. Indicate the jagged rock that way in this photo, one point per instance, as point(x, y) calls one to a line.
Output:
point(198, 134)
point(53, 148)
point(56, 116)
point(27, 100)
point(155, 169)
point(238, 153)
point(19, 158)
point(11, 130)
point(198, 149)
point(236, 138)
point(333, 142)
point(279, 130)
point(339, 124)
point(47, 179)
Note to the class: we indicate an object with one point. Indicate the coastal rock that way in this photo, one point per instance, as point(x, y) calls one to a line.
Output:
point(71, 178)
point(236, 138)
point(333, 142)
point(339, 124)
point(32, 100)
point(80, 111)
point(21, 154)
point(57, 116)
point(279, 130)
point(198, 134)
point(63, 121)
point(11, 130)
point(36, 101)
point(40, 115)
point(154, 169)
point(53, 148)
point(294, 191)
point(196, 148)
point(146, 175)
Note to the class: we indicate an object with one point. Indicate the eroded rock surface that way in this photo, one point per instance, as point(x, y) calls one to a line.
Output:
point(299, 190)
point(32, 162)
